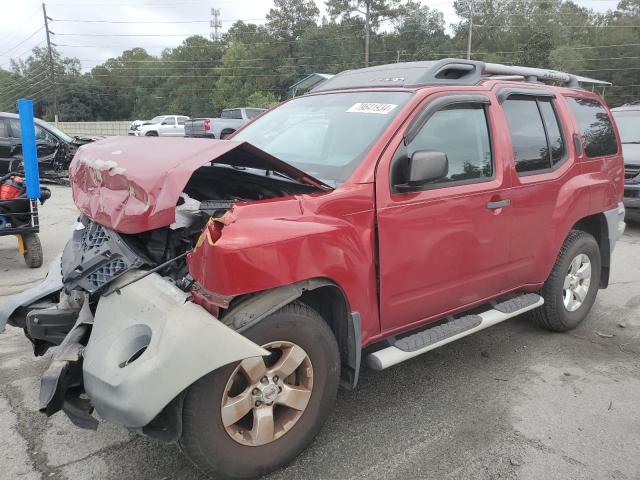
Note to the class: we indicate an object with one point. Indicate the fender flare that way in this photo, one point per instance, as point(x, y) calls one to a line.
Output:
point(254, 308)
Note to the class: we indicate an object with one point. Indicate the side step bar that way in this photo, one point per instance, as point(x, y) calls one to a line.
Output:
point(411, 346)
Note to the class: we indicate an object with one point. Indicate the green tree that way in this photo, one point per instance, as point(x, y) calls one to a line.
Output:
point(373, 12)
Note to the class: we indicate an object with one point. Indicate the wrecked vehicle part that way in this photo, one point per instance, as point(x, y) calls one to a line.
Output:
point(142, 354)
point(61, 384)
point(300, 237)
point(95, 256)
point(15, 308)
point(115, 171)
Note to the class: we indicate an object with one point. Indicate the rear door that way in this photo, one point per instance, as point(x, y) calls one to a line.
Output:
point(542, 194)
point(443, 248)
point(181, 122)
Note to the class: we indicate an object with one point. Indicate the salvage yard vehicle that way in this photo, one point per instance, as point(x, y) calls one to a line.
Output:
point(55, 148)
point(627, 118)
point(218, 299)
point(230, 120)
point(160, 126)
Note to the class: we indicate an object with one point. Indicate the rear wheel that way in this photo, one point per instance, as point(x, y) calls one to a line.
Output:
point(33, 250)
point(252, 417)
point(571, 289)
point(151, 134)
point(225, 133)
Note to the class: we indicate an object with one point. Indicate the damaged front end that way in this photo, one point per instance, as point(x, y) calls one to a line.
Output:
point(119, 303)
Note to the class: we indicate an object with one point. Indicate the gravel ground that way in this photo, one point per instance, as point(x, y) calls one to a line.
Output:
point(512, 402)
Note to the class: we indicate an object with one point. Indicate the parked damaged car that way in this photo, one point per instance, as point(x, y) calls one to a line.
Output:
point(55, 148)
point(215, 293)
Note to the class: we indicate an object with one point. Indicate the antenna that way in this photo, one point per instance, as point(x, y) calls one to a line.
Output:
point(216, 24)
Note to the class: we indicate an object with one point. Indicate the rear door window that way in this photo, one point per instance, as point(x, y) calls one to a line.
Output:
point(234, 113)
point(595, 127)
point(536, 136)
point(530, 150)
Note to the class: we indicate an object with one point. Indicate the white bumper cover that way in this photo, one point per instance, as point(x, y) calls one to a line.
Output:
point(183, 343)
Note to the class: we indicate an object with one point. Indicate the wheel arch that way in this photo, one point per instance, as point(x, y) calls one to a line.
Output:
point(596, 226)
point(323, 295)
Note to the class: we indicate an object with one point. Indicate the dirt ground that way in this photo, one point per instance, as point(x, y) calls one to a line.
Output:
point(512, 402)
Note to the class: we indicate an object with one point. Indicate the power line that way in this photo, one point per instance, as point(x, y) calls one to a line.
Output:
point(23, 41)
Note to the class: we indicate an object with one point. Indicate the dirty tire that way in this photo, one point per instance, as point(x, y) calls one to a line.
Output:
point(151, 134)
point(553, 315)
point(33, 253)
point(204, 438)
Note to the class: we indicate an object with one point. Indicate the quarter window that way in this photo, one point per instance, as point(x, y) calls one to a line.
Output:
point(595, 127)
point(535, 133)
point(461, 132)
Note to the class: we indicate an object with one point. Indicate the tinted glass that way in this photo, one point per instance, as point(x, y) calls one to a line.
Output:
point(461, 132)
point(181, 120)
point(235, 114)
point(595, 127)
point(253, 112)
point(554, 134)
point(326, 135)
point(528, 139)
point(3, 129)
point(628, 125)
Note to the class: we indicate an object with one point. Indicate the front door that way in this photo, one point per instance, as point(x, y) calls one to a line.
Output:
point(444, 246)
point(168, 127)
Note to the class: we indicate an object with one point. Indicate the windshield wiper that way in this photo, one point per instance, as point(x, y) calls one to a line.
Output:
point(280, 174)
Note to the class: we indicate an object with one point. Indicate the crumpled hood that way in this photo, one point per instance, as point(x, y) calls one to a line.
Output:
point(132, 184)
point(631, 153)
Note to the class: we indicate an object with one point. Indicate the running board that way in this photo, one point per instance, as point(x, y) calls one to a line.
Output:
point(432, 338)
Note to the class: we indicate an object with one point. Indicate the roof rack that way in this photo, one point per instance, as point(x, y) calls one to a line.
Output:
point(448, 71)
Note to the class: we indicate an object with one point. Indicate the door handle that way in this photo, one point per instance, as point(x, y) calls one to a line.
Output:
point(498, 204)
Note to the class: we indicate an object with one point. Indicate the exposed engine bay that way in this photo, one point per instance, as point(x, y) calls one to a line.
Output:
point(97, 255)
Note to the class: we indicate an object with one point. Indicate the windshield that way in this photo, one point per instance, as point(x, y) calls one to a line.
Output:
point(628, 125)
point(157, 119)
point(58, 133)
point(325, 135)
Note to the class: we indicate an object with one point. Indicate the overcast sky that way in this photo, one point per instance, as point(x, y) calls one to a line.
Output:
point(21, 19)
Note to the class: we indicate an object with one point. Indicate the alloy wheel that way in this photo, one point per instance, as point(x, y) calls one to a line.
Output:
point(266, 396)
point(576, 282)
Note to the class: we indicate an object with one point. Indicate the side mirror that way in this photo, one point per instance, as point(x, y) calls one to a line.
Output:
point(425, 166)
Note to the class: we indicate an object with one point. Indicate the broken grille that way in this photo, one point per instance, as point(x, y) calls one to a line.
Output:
point(106, 273)
point(93, 236)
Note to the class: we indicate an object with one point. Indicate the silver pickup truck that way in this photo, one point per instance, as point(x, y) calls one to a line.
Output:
point(230, 120)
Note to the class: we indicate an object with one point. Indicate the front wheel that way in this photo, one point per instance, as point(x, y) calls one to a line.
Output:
point(252, 417)
point(570, 290)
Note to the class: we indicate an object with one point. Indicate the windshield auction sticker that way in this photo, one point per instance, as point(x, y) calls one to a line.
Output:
point(379, 108)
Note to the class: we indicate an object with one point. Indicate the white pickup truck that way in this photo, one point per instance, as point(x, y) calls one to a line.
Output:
point(160, 126)
point(230, 120)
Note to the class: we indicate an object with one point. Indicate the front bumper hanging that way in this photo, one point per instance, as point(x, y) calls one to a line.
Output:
point(147, 344)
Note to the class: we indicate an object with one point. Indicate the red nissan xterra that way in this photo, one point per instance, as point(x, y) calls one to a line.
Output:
point(215, 293)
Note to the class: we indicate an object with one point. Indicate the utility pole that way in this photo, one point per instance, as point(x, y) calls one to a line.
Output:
point(216, 24)
point(470, 34)
point(367, 31)
point(51, 69)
